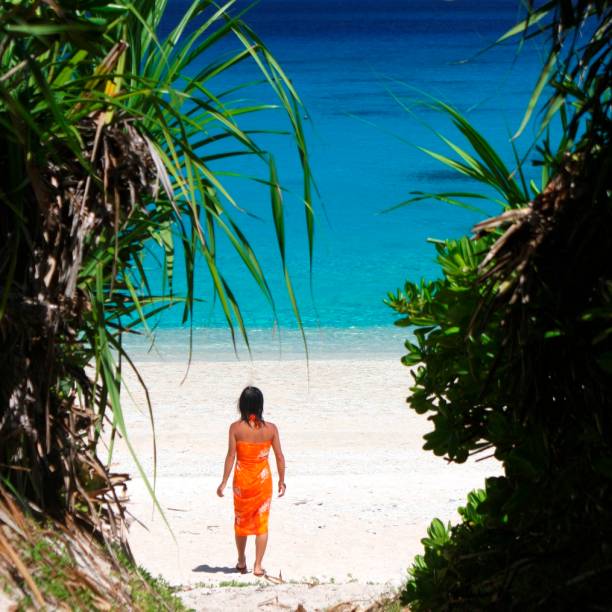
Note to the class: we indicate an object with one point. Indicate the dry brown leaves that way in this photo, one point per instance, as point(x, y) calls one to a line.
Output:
point(67, 554)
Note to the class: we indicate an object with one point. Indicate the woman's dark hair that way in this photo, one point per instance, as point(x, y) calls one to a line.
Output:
point(251, 402)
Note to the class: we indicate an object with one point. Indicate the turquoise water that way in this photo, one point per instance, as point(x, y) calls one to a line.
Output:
point(357, 65)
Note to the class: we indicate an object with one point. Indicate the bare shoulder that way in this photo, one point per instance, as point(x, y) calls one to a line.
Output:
point(272, 426)
point(234, 426)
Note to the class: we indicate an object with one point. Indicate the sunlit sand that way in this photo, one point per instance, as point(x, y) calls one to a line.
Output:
point(360, 489)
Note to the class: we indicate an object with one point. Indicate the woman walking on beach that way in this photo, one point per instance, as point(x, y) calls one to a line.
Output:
point(250, 438)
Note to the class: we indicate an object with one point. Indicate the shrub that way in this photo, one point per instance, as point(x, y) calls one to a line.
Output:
point(513, 356)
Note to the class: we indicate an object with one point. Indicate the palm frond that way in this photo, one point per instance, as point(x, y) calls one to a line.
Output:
point(109, 134)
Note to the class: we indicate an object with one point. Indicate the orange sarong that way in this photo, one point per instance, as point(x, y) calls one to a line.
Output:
point(252, 488)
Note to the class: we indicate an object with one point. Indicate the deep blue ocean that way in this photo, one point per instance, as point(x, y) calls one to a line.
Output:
point(363, 70)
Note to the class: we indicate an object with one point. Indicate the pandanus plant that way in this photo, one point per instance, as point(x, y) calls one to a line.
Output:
point(109, 136)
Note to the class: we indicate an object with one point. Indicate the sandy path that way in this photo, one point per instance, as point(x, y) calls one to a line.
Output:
point(360, 491)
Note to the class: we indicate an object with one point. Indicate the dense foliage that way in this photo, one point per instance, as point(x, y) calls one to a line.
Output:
point(513, 353)
point(113, 142)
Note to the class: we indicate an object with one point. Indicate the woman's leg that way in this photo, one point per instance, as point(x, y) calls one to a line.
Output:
point(261, 542)
point(241, 545)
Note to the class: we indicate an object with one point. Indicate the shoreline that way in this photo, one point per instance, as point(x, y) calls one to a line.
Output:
point(267, 344)
point(360, 489)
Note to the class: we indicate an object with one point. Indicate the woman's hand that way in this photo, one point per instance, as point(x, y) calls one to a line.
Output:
point(282, 487)
point(220, 489)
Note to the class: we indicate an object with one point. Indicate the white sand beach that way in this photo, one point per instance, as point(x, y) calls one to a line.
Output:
point(360, 489)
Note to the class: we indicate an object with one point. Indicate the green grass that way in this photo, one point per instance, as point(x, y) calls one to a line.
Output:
point(49, 564)
point(392, 606)
point(157, 594)
point(53, 571)
point(389, 602)
point(149, 592)
point(6, 587)
point(239, 583)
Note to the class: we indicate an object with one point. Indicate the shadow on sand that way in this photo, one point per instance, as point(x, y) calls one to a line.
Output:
point(209, 569)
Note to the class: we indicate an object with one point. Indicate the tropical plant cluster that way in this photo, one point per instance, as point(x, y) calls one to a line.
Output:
point(113, 142)
point(512, 349)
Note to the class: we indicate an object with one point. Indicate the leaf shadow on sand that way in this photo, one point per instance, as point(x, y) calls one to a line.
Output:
point(210, 569)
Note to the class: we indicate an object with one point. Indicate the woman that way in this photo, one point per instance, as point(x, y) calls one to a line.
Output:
point(251, 438)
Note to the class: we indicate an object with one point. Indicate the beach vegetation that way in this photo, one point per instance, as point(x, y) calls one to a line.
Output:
point(239, 583)
point(511, 348)
point(117, 147)
point(149, 592)
point(54, 566)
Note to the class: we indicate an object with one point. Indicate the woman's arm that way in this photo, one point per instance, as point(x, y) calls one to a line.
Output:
point(229, 461)
point(280, 462)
